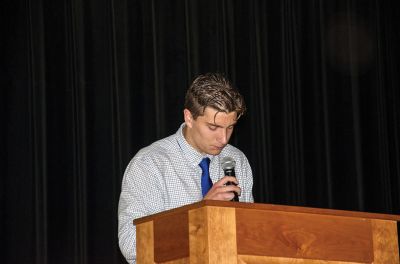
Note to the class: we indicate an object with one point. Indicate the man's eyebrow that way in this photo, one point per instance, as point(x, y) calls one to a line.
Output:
point(215, 125)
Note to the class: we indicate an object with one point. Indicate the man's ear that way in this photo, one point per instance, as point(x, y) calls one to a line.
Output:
point(188, 118)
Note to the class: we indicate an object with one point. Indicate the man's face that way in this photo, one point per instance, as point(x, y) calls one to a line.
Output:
point(210, 132)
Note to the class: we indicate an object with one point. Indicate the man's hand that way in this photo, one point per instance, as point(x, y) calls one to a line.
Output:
point(222, 192)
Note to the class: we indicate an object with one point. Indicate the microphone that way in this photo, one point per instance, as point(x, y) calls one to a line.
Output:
point(228, 165)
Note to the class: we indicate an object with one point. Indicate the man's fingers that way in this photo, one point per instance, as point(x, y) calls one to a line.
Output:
point(223, 192)
point(225, 196)
point(231, 188)
point(220, 196)
point(225, 180)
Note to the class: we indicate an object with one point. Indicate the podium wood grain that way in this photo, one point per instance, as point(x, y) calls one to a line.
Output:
point(227, 232)
point(297, 235)
point(145, 243)
point(212, 233)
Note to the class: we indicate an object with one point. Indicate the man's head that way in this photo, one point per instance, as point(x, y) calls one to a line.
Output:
point(212, 108)
point(215, 91)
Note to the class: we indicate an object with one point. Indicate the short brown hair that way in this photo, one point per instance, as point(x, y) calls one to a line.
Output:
point(215, 91)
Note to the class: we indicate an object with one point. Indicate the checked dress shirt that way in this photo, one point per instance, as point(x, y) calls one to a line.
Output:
point(167, 175)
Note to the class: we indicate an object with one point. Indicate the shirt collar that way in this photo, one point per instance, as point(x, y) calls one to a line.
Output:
point(192, 155)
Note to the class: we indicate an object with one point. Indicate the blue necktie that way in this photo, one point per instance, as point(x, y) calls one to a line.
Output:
point(206, 182)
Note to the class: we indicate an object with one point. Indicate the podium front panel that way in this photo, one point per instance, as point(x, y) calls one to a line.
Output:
point(297, 235)
point(225, 232)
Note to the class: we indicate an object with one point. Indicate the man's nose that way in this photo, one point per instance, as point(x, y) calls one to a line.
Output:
point(223, 137)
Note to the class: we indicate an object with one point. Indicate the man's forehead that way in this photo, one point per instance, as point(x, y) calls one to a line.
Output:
point(220, 119)
point(209, 111)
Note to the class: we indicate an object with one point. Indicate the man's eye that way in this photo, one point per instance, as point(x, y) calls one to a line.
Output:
point(213, 128)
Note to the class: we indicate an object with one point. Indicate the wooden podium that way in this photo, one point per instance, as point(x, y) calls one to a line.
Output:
point(231, 232)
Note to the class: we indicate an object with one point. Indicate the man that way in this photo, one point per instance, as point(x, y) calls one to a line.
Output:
point(167, 174)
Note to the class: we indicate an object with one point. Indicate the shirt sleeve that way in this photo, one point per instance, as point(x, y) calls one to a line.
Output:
point(247, 183)
point(141, 195)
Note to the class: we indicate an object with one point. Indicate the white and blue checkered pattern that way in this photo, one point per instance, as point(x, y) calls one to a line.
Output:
point(167, 175)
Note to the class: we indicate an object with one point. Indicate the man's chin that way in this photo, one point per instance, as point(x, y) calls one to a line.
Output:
point(215, 151)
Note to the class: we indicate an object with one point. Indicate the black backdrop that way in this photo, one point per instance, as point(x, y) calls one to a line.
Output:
point(87, 83)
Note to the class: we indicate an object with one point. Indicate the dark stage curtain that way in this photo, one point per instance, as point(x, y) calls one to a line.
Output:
point(86, 83)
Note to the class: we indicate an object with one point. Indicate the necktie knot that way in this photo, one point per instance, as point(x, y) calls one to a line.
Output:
point(205, 164)
point(206, 182)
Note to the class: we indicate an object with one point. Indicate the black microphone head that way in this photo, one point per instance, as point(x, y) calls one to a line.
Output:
point(228, 163)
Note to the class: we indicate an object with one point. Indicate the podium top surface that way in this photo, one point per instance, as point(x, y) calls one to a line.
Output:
point(270, 207)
